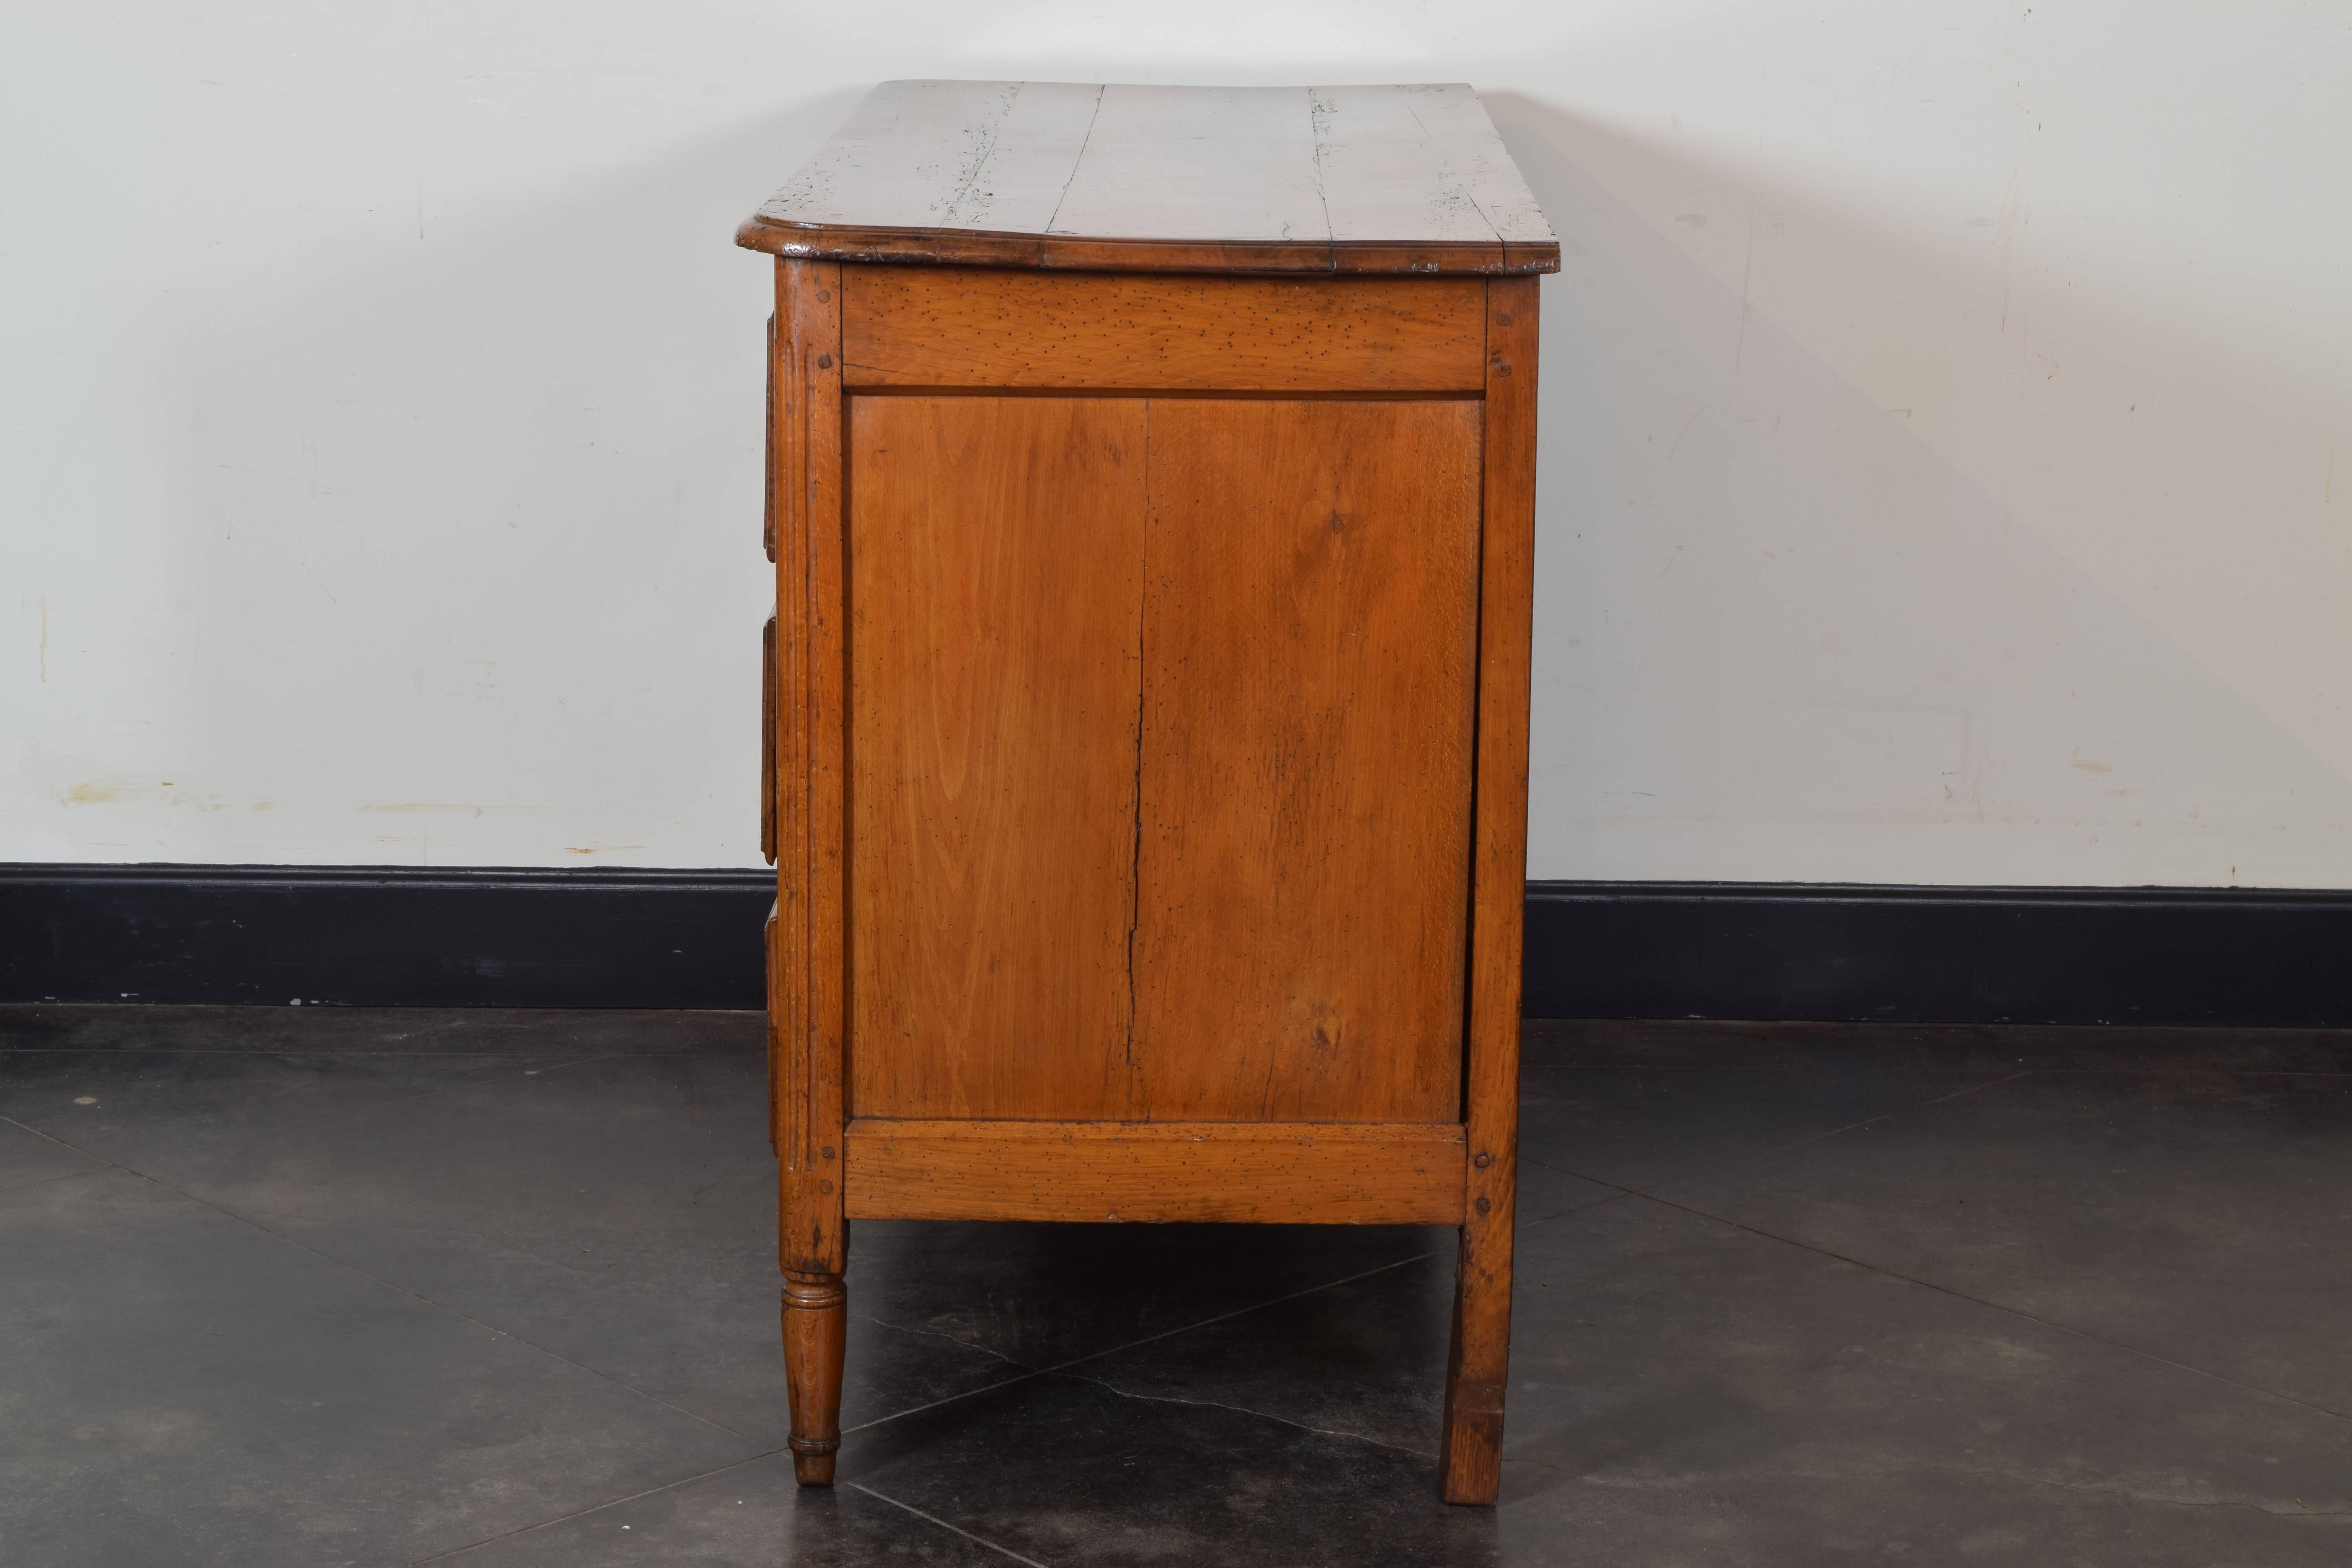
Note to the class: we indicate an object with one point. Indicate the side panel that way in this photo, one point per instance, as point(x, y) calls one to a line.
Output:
point(997, 588)
point(1310, 630)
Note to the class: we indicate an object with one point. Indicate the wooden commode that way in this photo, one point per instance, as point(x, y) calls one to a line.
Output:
point(1152, 498)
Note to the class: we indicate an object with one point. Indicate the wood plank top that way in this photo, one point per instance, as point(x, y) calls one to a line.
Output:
point(1394, 179)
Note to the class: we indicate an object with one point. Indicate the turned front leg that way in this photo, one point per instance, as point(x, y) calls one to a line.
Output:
point(816, 1313)
point(806, 963)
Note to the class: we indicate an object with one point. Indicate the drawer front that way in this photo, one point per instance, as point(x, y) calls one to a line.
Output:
point(980, 327)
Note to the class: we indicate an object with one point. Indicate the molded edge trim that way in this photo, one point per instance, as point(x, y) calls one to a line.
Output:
point(986, 247)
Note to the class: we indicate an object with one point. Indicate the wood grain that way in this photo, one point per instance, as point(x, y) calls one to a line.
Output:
point(1303, 879)
point(974, 327)
point(1405, 179)
point(1324, 1172)
point(1409, 168)
point(1204, 163)
point(983, 156)
point(817, 1322)
point(1479, 1361)
point(805, 979)
point(997, 585)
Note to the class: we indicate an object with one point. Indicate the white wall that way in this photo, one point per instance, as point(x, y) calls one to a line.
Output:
point(1947, 418)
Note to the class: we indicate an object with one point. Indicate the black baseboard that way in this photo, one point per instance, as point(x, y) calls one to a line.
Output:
point(401, 937)
point(2220, 956)
point(382, 936)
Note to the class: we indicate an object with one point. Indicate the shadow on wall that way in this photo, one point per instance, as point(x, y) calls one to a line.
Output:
point(473, 515)
point(1867, 558)
point(1867, 555)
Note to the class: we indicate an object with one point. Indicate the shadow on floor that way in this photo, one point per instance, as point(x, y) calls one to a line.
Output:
point(498, 1287)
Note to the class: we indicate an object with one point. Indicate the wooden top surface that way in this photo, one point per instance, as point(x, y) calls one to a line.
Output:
point(1408, 179)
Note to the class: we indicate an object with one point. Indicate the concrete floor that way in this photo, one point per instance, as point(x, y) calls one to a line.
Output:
point(316, 1287)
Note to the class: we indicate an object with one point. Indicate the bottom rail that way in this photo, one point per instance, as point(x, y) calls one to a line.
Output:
point(1263, 1172)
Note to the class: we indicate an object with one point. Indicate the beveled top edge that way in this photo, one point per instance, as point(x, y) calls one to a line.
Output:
point(1397, 179)
point(917, 247)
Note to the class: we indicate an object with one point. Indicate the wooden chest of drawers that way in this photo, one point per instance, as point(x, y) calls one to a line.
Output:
point(1153, 505)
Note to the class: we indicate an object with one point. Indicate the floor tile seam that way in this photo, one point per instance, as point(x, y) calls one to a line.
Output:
point(2019, 1312)
point(1809, 1140)
point(1765, 1153)
point(53, 1138)
point(1109, 1386)
point(951, 1339)
point(228, 1213)
point(943, 1524)
point(1614, 1194)
point(1948, 1290)
point(593, 1508)
point(943, 1400)
point(48, 1181)
point(1118, 1349)
point(1239, 1312)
